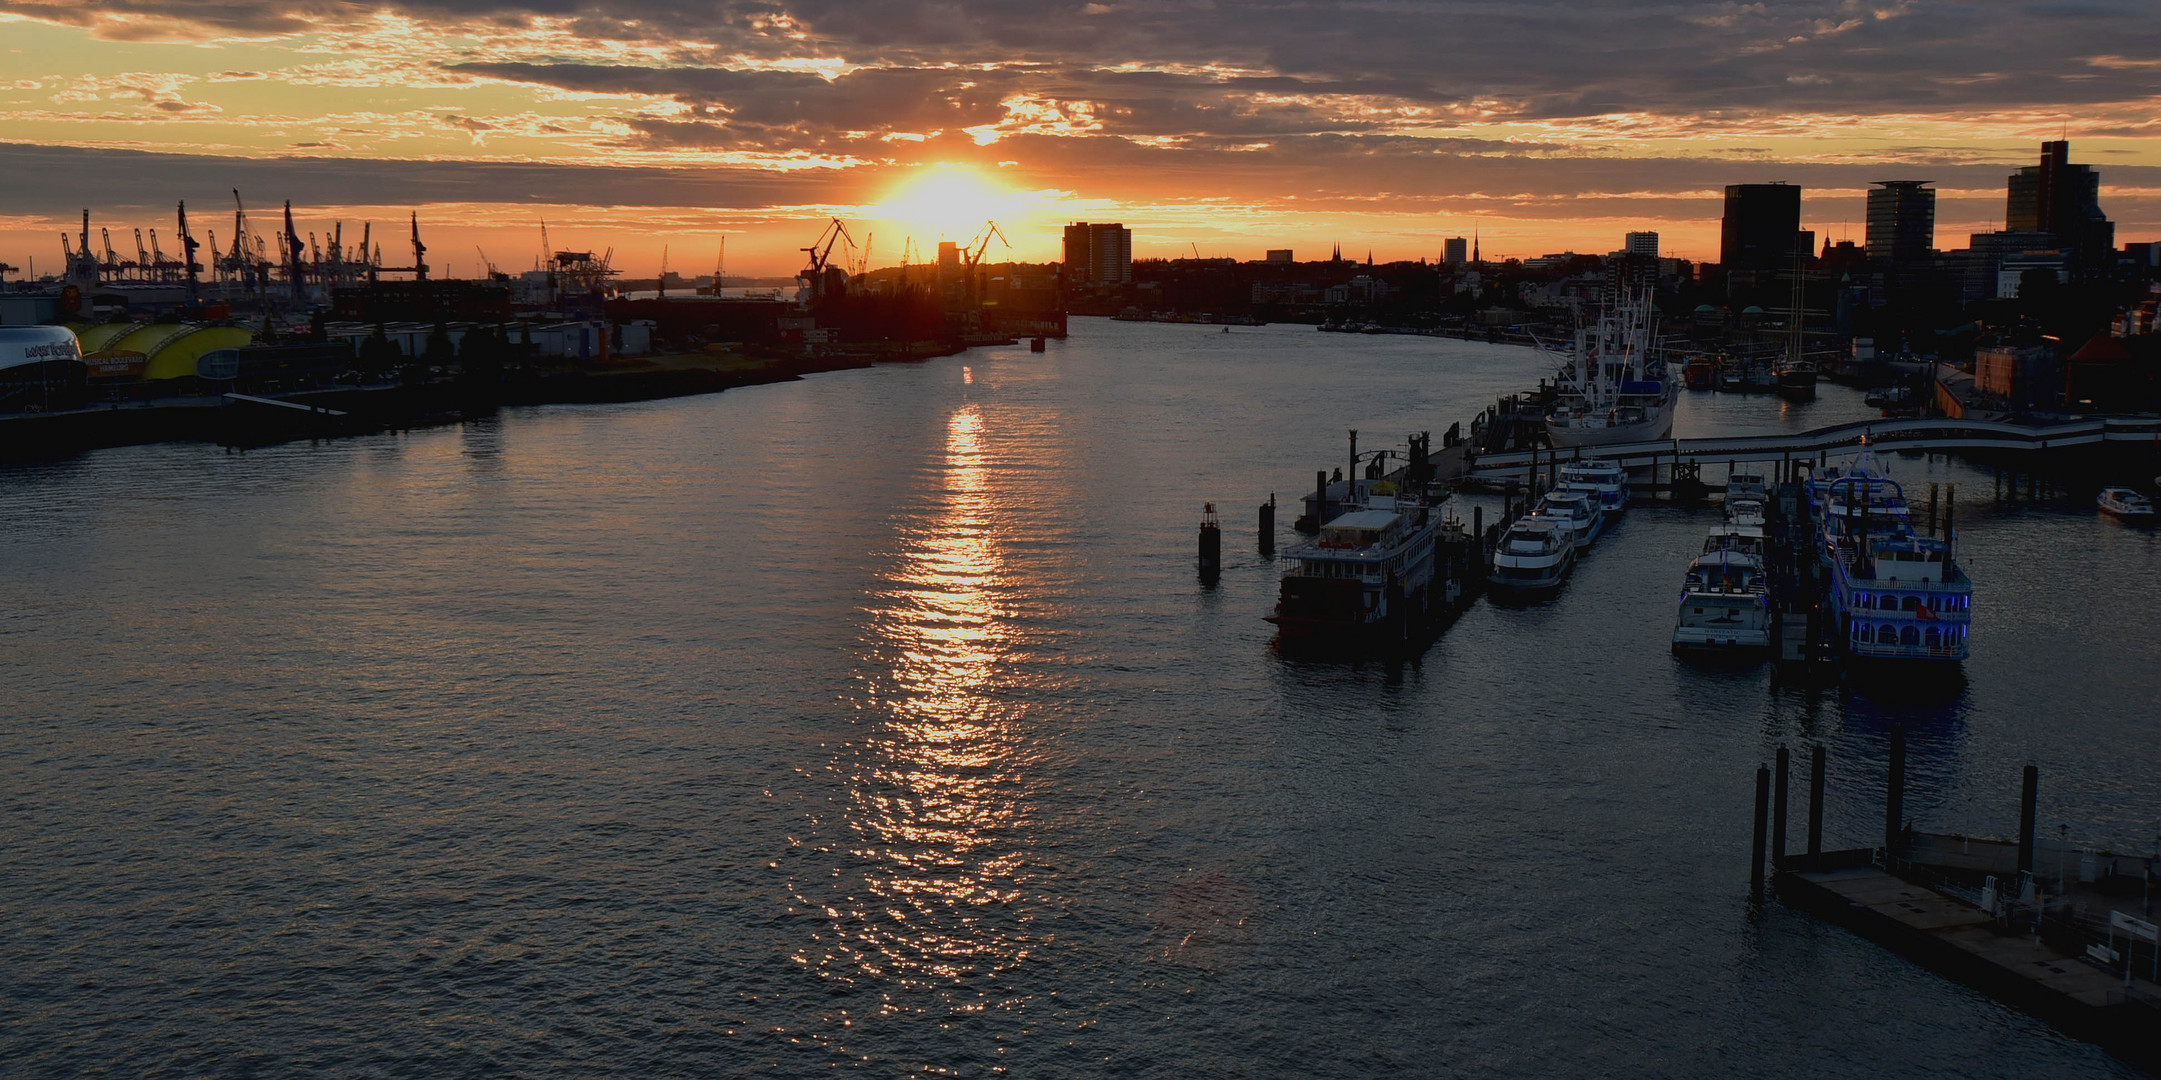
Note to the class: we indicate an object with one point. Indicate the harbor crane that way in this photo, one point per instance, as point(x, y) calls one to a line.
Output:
point(973, 253)
point(419, 269)
point(188, 264)
point(814, 276)
point(420, 251)
point(720, 261)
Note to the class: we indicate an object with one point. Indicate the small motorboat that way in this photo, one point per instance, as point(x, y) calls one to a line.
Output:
point(2126, 505)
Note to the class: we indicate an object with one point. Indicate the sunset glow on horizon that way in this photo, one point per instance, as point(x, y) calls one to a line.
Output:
point(1223, 131)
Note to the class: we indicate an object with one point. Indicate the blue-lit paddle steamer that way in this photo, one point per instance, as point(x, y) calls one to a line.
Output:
point(1900, 599)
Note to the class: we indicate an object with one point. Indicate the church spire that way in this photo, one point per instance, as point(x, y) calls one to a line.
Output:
point(1475, 259)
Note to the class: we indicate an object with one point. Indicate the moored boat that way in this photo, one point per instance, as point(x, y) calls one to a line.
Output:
point(1613, 388)
point(1902, 602)
point(1797, 380)
point(2125, 505)
point(1532, 559)
point(1604, 479)
point(1367, 574)
point(1725, 606)
point(1582, 511)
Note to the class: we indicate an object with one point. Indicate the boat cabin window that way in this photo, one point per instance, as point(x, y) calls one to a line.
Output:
point(1887, 634)
point(1911, 603)
point(1910, 636)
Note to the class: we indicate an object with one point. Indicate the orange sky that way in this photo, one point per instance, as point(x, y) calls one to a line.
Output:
point(1228, 128)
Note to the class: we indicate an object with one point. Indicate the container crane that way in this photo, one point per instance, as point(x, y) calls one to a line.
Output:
point(111, 265)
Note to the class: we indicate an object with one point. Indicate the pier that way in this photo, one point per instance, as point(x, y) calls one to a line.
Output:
point(2070, 939)
point(1918, 434)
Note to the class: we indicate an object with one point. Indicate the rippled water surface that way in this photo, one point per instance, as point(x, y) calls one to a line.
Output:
point(878, 720)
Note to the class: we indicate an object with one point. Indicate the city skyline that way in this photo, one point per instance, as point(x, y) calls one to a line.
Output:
point(1228, 133)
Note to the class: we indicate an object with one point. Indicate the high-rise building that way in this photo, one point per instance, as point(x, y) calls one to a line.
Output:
point(1641, 243)
point(1279, 255)
point(1761, 227)
point(1099, 254)
point(1901, 222)
point(1455, 250)
point(2063, 200)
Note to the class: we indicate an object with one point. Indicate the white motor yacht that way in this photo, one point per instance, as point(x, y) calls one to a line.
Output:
point(1604, 479)
point(1725, 607)
point(1533, 557)
point(2125, 505)
point(1580, 509)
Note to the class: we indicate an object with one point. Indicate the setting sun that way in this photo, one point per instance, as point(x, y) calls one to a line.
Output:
point(944, 203)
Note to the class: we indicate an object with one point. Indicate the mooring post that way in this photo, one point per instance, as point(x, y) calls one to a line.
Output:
point(1815, 804)
point(2029, 794)
point(1778, 813)
point(1478, 525)
point(1763, 807)
point(1894, 794)
point(1932, 509)
point(1320, 498)
point(1350, 475)
point(1268, 525)
point(1211, 545)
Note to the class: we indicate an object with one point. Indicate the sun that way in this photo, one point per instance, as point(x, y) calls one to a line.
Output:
point(942, 203)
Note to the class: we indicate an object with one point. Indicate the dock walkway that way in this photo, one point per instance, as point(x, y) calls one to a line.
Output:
point(1930, 435)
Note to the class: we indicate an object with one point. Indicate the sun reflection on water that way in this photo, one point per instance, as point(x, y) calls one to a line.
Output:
point(938, 784)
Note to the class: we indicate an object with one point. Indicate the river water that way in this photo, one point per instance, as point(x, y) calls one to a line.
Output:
point(878, 721)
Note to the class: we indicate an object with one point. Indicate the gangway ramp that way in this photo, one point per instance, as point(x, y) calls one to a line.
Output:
point(315, 410)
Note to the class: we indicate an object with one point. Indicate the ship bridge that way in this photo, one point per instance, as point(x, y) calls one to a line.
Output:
point(1914, 434)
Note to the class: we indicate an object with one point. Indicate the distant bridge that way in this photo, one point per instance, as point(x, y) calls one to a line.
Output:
point(1935, 434)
